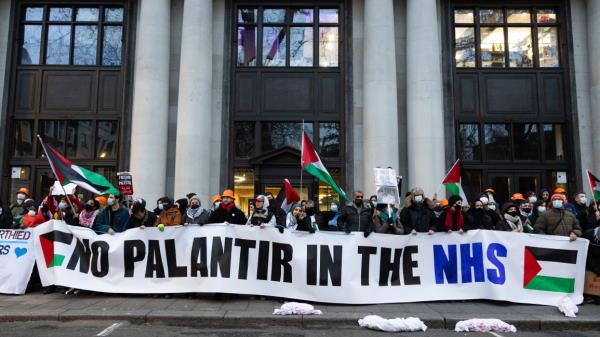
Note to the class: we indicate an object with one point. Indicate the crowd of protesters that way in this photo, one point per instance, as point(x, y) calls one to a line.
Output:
point(542, 213)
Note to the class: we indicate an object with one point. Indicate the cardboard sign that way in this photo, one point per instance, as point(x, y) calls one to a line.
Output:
point(386, 186)
point(125, 181)
point(592, 284)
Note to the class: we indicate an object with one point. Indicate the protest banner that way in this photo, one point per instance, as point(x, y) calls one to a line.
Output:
point(331, 267)
point(16, 260)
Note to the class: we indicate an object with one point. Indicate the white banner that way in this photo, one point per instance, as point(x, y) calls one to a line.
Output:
point(16, 260)
point(331, 267)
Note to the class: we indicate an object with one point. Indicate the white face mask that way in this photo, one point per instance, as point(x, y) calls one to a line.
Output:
point(532, 200)
point(21, 196)
point(492, 207)
point(334, 208)
point(557, 203)
point(217, 204)
point(31, 213)
point(484, 200)
point(161, 206)
point(541, 209)
point(583, 200)
point(62, 205)
point(418, 198)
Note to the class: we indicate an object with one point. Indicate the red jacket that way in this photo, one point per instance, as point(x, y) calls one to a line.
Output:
point(53, 204)
point(32, 221)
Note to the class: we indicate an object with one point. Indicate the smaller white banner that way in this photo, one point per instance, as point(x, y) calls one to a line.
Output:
point(16, 260)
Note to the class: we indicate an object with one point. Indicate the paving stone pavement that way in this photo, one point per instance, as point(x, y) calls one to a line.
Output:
point(249, 312)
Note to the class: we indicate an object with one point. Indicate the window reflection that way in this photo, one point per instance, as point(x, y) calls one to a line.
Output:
point(329, 139)
point(274, 16)
point(497, 142)
point(106, 140)
point(518, 16)
point(53, 134)
point(112, 45)
point(87, 14)
point(465, 46)
point(246, 50)
point(302, 16)
point(60, 14)
point(244, 139)
point(247, 15)
point(527, 142)
point(326, 194)
point(23, 138)
point(548, 46)
point(463, 16)
point(468, 142)
point(301, 48)
point(79, 139)
point(553, 142)
point(113, 15)
point(491, 16)
point(274, 46)
point(329, 15)
point(546, 16)
point(86, 40)
point(492, 47)
point(519, 47)
point(328, 46)
point(279, 134)
point(58, 45)
point(30, 50)
point(34, 13)
point(243, 187)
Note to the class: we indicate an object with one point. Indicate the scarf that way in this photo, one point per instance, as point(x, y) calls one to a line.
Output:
point(513, 221)
point(449, 223)
point(385, 217)
point(86, 219)
point(194, 213)
point(228, 208)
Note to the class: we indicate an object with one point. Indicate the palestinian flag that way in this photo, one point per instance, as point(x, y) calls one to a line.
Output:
point(452, 182)
point(554, 265)
point(287, 196)
point(312, 164)
point(66, 172)
point(47, 243)
point(594, 185)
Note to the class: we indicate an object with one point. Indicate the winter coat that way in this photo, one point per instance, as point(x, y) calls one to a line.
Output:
point(354, 219)
point(505, 226)
point(32, 221)
point(17, 210)
point(419, 217)
point(233, 216)
point(478, 219)
point(455, 224)
point(148, 220)
point(200, 218)
point(328, 220)
point(169, 217)
point(262, 216)
point(6, 218)
point(386, 225)
point(586, 217)
point(106, 219)
point(557, 221)
point(305, 225)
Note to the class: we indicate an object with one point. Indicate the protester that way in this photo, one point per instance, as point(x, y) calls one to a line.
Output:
point(215, 202)
point(538, 209)
point(531, 197)
point(385, 221)
point(453, 218)
point(557, 221)
point(102, 201)
point(227, 212)
point(140, 216)
point(585, 214)
point(330, 218)
point(262, 216)
point(6, 218)
point(53, 202)
point(113, 219)
point(160, 205)
point(511, 221)
point(189, 196)
point(568, 206)
point(438, 207)
point(275, 208)
point(16, 207)
point(33, 217)
point(417, 215)
point(489, 208)
point(89, 213)
point(182, 205)
point(517, 199)
point(305, 222)
point(313, 214)
point(492, 203)
point(170, 215)
point(66, 213)
point(526, 215)
point(356, 217)
point(294, 217)
point(545, 195)
point(195, 214)
point(373, 201)
point(477, 217)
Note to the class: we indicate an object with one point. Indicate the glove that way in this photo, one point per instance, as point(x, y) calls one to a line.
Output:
point(347, 229)
point(367, 233)
point(280, 228)
point(311, 230)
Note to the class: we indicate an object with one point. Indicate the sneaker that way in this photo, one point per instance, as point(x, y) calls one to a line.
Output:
point(70, 291)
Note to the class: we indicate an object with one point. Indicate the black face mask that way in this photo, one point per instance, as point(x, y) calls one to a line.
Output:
point(526, 210)
point(512, 214)
point(195, 206)
point(88, 208)
point(309, 211)
point(358, 202)
point(457, 207)
point(478, 210)
point(437, 208)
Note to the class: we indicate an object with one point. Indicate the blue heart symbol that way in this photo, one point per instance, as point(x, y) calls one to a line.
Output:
point(20, 252)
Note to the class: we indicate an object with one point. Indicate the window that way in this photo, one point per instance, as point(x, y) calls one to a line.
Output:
point(279, 134)
point(506, 38)
point(287, 37)
point(73, 35)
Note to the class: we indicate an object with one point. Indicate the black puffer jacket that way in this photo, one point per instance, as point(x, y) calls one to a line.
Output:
point(6, 218)
point(419, 217)
point(354, 219)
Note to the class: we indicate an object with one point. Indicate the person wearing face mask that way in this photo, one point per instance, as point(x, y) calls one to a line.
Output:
point(386, 222)
point(314, 216)
point(526, 215)
point(538, 209)
point(490, 193)
point(330, 217)
point(6, 218)
point(170, 215)
point(33, 217)
point(477, 217)
point(89, 213)
point(558, 221)
point(373, 201)
point(140, 216)
point(160, 205)
point(195, 214)
point(227, 212)
point(511, 221)
point(417, 216)
point(453, 218)
point(584, 213)
point(490, 208)
point(356, 217)
point(113, 219)
point(66, 213)
point(531, 197)
point(16, 207)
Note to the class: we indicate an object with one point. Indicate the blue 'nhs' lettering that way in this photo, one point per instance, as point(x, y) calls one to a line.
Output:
point(471, 263)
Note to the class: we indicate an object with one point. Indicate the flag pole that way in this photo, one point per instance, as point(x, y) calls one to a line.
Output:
point(301, 156)
point(54, 172)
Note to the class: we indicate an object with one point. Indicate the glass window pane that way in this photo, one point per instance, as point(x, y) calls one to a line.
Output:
point(497, 142)
point(53, 134)
point(327, 195)
point(87, 14)
point(34, 14)
point(518, 16)
point(112, 45)
point(328, 47)
point(79, 139)
point(86, 41)
point(247, 15)
point(553, 142)
point(244, 139)
point(113, 14)
point(108, 172)
point(23, 139)
point(303, 16)
point(463, 16)
point(492, 47)
point(106, 140)
point(60, 14)
point(548, 46)
point(471, 182)
point(464, 47)
point(329, 139)
point(243, 187)
point(469, 147)
point(491, 16)
point(275, 135)
point(527, 142)
point(30, 50)
point(329, 15)
point(274, 16)
point(246, 49)
point(547, 16)
point(301, 48)
point(520, 49)
point(58, 45)
point(274, 46)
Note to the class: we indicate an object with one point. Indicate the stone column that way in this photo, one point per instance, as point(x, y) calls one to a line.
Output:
point(148, 160)
point(425, 120)
point(380, 114)
point(593, 34)
point(193, 152)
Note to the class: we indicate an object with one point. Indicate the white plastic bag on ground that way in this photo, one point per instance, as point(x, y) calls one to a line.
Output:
point(295, 308)
point(568, 307)
point(392, 325)
point(484, 325)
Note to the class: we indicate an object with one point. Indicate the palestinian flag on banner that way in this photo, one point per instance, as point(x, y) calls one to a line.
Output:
point(553, 264)
point(312, 164)
point(287, 196)
point(66, 172)
point(452, 182)
point(594, 185)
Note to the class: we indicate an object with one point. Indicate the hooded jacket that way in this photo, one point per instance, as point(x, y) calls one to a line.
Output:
point(557, 221)
point(386, 225)
point(263, 215)
point(419, 217)
point(169, 217)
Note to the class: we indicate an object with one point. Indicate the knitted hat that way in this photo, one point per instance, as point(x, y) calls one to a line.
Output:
point(508, 205)
point(195, 197)
point(558, 196)
point(453, 199)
